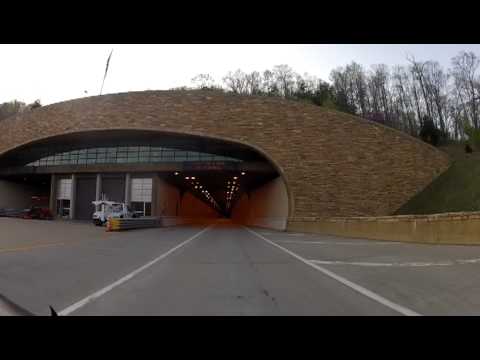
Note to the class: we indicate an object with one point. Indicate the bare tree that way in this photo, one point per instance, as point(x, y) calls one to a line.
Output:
point(284, 77)
point(236, 82)
point(11, 108)
point(379, 87)
point(204, 81)
point(417, 69)
point(464, 71)
point(253, 83)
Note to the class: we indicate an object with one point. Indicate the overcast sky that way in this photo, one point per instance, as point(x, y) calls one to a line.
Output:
point(54, 73)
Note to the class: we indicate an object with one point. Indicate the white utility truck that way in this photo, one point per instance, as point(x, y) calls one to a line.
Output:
point(110, 210)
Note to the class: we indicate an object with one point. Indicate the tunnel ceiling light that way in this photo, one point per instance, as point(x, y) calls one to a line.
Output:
point(176, 173)
point(243, 172)
point(196, 187)
point(235, 178)
point(187, 178)
point(193, 177)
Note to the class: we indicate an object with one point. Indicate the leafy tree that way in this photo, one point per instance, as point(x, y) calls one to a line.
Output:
point(429, 132)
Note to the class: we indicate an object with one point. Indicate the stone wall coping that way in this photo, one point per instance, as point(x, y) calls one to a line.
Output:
point(464, 215)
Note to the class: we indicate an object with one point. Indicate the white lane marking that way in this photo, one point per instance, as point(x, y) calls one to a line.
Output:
point(468, 261)
point(406, 264)
point(335, 243)
point(124, 279)
point(357, 263)
point(282, 233)
point(360, 289)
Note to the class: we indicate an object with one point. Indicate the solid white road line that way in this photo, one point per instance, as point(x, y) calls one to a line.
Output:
point(336, 242)
point(407, 264)
point(124, 279)
point(360, 289)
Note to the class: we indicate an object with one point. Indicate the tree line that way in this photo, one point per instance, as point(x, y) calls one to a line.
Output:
point(420, 98)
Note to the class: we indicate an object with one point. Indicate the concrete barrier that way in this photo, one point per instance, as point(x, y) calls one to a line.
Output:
point(461, 228)
point(127, 224)
point(150, 222)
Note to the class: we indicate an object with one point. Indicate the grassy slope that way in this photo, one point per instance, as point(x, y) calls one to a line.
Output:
point(458, 189)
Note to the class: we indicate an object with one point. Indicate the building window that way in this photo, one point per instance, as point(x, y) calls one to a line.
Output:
point(64, 192)
point(141, 201)
point(124, 155)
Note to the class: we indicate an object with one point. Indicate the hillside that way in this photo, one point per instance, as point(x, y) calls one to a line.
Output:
point(457, 189)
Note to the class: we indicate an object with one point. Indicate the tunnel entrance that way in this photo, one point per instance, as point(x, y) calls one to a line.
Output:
point(176, 176)
point(254, 197)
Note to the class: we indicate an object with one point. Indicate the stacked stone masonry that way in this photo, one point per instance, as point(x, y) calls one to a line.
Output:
point(333, 164)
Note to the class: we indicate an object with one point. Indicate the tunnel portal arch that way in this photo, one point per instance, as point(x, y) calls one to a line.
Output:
point(113, 152)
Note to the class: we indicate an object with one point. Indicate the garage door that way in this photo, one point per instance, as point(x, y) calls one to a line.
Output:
point(85, 195)
point(113, 188)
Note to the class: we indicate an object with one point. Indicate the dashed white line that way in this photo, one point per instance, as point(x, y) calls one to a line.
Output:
point(360, 289)
point(124, 279)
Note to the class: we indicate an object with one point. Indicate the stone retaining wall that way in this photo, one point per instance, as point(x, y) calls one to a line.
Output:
point(445, 228)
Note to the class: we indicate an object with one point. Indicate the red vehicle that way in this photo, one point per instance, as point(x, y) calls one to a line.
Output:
point(39, 209)
point(38, 213)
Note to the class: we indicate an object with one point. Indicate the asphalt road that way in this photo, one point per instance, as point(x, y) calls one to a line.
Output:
point(230, 270)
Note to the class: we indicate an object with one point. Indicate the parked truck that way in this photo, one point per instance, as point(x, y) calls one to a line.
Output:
point(105, 210)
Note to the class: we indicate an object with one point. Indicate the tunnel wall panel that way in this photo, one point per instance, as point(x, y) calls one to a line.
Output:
point(168, 199)
point(191, 207)
point(266, 206)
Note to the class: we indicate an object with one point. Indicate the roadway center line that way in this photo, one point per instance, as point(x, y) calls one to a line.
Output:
point(124, 279)
point(360, 289)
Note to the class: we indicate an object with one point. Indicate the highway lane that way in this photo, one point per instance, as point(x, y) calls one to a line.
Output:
point(231, 270)
point(59, 275)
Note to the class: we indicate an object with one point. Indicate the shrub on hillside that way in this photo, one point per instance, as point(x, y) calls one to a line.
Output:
point(473, 136)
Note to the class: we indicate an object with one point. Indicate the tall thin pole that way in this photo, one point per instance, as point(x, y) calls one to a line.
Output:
point(106, 70)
